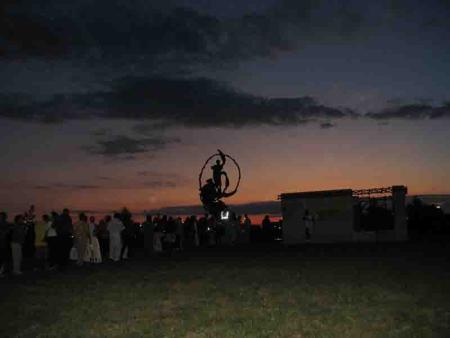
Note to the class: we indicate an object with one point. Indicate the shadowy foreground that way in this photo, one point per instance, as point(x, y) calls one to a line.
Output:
point(321, 291)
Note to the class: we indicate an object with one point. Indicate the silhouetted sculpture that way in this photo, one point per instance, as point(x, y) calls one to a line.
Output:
point(210, 197)
point(208, 192)
point(212, 192)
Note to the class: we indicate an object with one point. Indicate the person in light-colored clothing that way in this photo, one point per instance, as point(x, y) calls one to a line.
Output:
point(40, 242)
point(115, 228)
point(82, 237)
point(51, 238)
point(94, 255)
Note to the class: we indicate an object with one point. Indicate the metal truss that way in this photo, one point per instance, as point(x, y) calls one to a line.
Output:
point(372, 191)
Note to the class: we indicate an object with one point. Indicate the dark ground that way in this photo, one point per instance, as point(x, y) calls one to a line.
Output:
point(395, 290)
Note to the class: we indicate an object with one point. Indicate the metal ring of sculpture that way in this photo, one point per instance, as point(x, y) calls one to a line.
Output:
point(238, 169)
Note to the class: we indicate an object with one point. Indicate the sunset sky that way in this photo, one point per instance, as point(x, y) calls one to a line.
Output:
point(111, 103)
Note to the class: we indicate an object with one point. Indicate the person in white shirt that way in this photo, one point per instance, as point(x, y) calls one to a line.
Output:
point(51, 237)
point(115, 228)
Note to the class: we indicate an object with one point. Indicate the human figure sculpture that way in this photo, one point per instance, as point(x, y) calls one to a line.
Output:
point(215, 189)
point(218, 172)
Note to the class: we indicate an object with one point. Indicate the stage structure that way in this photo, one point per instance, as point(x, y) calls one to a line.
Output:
point(218, 186)
point(345, 215)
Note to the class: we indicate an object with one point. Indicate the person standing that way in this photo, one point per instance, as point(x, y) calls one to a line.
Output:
point(247, 224)
point(148, 234)
point(267, 229)
point(5, 230)
point(29, 219)
point(51, 237)
point(202, 225)
point(309, 223)
point(234, 228)
point(95, 256)
point(127, 239)
point(195, 231)
point(180, 233)
point(158, 238)
point(64, 229)
point(115, 228)
point(17, 240)
point(103, 236)
point(82, 237)
point(40, 241)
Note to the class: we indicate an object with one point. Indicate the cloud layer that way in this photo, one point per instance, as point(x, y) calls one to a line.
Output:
point(115, 31)
point(125, 147)
point(194, 102)
point(414, 111)
point(153, 32)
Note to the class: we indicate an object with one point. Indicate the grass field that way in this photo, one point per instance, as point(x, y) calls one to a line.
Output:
point(321, 292)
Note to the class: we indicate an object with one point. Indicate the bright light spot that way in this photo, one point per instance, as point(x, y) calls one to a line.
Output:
point(224, 214)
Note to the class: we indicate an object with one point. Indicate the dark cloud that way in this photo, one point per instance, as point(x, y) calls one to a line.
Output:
point(113, 184)
point(160, 103)
point(153, 127)
point(23, 32)
point(194, 102)
point(327, 125)
point(106, 31)
point(415, 111)
point(151, 33)
point(67, 186)
point(125, 147)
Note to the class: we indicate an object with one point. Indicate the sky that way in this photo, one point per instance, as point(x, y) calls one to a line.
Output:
point(119, 103)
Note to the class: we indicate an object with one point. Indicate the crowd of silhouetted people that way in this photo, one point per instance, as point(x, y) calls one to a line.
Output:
point(57, 239)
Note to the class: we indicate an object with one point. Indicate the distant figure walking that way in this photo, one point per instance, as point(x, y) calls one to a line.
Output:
point(115, 228)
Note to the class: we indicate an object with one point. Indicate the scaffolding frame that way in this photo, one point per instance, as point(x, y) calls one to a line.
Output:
point(372, 191)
